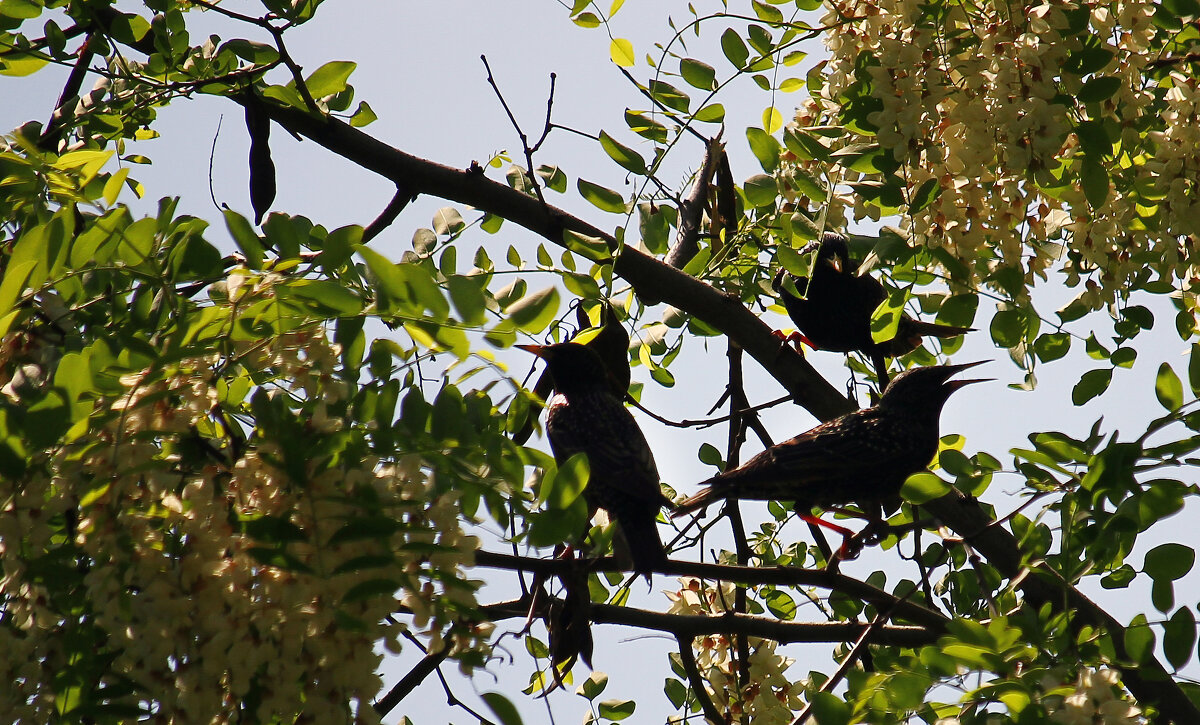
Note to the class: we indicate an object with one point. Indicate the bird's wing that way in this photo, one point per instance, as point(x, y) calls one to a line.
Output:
point(618, 455)
point(835, 450)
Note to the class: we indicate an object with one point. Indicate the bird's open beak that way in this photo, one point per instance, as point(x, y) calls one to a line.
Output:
point(956, 384)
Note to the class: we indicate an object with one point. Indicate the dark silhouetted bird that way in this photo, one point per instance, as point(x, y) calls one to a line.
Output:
point(862, 457)
point(611, 343)
point(835, 310)
point(586, 415)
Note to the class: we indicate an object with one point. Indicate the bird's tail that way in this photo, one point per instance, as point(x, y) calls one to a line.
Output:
point(932, 329)
point(645, 547)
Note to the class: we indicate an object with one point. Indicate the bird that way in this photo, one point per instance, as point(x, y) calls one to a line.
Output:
point(835, 312)
point(585, 415)
point(862, 457)
point(611, 343)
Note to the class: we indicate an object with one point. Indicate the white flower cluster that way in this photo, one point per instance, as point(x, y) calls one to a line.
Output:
point(1096, 700)
point(769, 698)
point(974, 103)
point(199, 612)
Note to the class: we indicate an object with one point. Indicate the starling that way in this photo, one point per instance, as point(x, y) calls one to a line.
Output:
point(835, 312)
point(586, 415)
point(862, 457)
point(611, 344)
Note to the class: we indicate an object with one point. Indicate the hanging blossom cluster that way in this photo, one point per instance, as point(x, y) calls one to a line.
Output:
point(770, 697)
point(215, 574)
point(1096, 698)
point(1096, 701)
point(978, 99)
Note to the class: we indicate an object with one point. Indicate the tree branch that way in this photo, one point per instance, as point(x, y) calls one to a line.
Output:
point(784, 576)
point(688, 659)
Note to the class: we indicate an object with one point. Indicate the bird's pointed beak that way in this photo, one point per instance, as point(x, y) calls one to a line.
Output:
point(955, 369)
point(538, 350)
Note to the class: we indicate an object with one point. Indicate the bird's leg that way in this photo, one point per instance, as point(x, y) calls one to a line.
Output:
point(794, 339)
point(881, 372)
point(848, 536)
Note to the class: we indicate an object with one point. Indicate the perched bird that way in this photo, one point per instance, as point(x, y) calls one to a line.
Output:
point(861, 457)
point(835, 312)
point(586, 415)
point(611, 344)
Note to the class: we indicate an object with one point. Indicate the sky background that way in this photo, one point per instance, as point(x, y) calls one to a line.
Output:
point(419, 68)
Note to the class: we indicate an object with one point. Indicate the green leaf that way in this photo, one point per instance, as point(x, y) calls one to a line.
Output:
point(245, 237)
point(1007, 328)
point(885, 320)
point(1139, 640)
point(330, 79)
point(593, 686)
point(600, 197)
point(1052, 346)
point(504, 710)
point(468, 299)
point(698, 74)
point(669, 96)
point(1100, 88)
point(370, 589)
point(534, 313)
point(335, 298)
point(1094, 179)
point(765, 148)
point(781, 604)
point(712, 113)
point(1093, 383)
point(760, 190)
point(617, 709)
point(1119, 578)
point(569, 482)
point(1179, 637)
point(621, 52)
point(447, 220)
point(922, 487)
point(829, 709)
point(1169, 561)
point(364, 115)
point(1194, 369)
point(925, 195)
point(1168, 388)
point(734, 48)
point(629, 159)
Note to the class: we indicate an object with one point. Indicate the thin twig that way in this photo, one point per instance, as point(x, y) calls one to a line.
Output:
point(400, 199)
point(688, 659)
point(451, 699)
point(710, 422)
point(57, 124)
point(409, 682)
point(842, 669)
point(537, 188)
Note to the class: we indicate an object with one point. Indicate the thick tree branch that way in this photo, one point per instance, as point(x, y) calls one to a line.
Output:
point(781, 576)
point(1149, 682)
point(645, 273)
point(1152, 684)
point(699, 625)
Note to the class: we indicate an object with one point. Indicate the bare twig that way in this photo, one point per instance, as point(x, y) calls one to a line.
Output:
point(537, 188)
point(409, 682)
point(400, 199)
point(842, 669)
point(688, 659)
point(58, 121)
point(710, 422)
